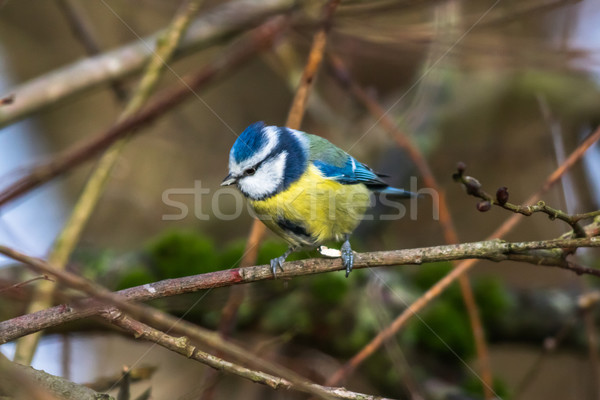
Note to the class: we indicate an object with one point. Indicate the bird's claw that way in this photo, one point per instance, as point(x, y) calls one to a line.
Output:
point(277, 263)
point(347, 257)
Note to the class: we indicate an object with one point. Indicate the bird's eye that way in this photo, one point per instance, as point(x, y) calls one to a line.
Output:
point(250, 171)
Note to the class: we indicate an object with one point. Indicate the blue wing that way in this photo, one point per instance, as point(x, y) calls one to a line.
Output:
point(336, 164)
point(352, 172)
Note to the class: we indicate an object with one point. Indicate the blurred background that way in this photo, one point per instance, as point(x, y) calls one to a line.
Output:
point(508, 87)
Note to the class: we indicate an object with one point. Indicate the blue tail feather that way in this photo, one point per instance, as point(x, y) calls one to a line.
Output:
point(392, 191)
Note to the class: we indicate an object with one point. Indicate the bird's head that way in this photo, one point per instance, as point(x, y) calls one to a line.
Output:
point(265, 160)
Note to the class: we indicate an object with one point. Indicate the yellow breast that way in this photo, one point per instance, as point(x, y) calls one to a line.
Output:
point(322, 208)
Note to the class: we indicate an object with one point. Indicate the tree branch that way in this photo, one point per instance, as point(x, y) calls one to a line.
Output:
point(344, 78)
point(183, 347)
point(164, 321)
point(69, 235)
point(26, 382)
point(463, 267)
point(213, 27)
point(494, 250)
point(259, 39)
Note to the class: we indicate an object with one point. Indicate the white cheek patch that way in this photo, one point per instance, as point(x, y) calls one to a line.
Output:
point(267, 179)
point(271, 135)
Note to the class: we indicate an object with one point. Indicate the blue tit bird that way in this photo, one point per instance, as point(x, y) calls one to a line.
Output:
point(303, 187)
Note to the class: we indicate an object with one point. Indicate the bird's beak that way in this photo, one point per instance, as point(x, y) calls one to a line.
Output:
point(229, 180)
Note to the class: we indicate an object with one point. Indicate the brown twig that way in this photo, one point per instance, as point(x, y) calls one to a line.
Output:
point(474, 188)
point(242, 51)
point(315, 57)
point(585, 302)
point(494, 250)
point(83, 32)
point(343, 76)
point(549, 346)
point(439, 287)
point(7, 100)
point(27, 282)
point(396, 355)
point(136, 374)
point(591, 332)
point(124, 384)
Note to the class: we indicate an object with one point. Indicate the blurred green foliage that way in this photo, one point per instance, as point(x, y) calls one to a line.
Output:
point(447, 317)
point(182, 253)
point(473, 385)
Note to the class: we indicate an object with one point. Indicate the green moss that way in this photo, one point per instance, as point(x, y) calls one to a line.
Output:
point(474, 386)
point(287, 313)
point(329, 288)
point(428, 274)
point(94, 264)
point(231, 256)
point(493, 301)
point(135, 276)
point(182, 253)
point(444, 330)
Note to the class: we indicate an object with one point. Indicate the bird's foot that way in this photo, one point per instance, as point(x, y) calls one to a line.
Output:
point(347, 257)
point(277, 263)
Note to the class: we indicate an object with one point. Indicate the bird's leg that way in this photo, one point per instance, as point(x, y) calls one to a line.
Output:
point(278, 262)
point(347, 256)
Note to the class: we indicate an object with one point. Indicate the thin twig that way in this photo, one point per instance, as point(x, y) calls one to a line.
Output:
point(591, 332)
point(552, 343)
point(473, 187)
point(84, 33)
point(344, 78)
point(439, 287)
point(27, 282)
point(84, 207)
point(397, 357)
point(7, 100)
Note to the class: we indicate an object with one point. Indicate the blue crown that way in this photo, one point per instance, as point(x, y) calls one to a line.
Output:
point(246, 144)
